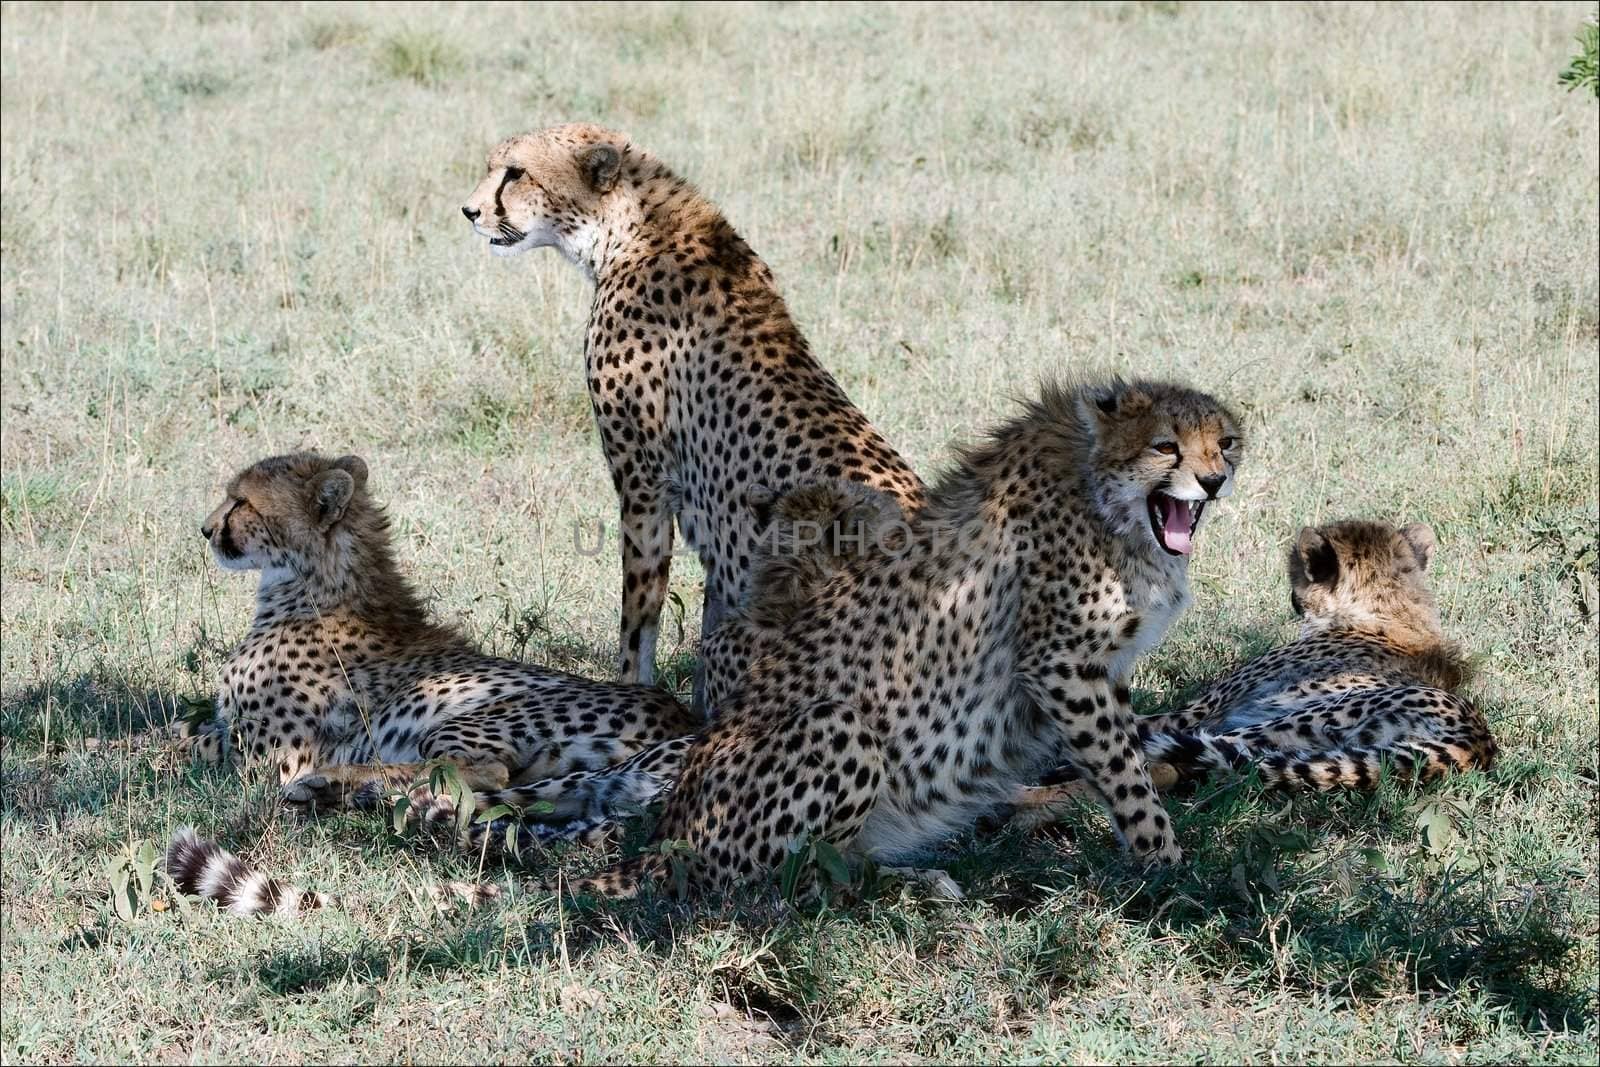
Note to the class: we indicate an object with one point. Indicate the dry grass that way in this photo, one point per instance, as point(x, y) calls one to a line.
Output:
point(232, 230)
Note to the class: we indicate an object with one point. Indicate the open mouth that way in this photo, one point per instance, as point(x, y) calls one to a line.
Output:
point(509, 235)
point(1173, 521)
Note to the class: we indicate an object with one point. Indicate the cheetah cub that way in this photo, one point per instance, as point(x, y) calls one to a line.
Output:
point(957, 657)
point(1371, 679)
point(344, 685)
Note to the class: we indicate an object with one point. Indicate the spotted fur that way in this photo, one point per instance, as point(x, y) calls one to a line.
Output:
point(702, 386)
point(933, 674)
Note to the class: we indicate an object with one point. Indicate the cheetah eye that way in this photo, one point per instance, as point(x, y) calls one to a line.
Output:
point(1166, 448)
point(513, 173)
point(1226, 443)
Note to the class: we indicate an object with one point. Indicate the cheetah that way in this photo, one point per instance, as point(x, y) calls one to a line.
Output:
point(1371, 680)
point(345, 687)
point(701, 384)
point(951, 662)
point(807, 535)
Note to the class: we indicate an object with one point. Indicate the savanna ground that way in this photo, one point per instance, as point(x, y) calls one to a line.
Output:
point(230, 231)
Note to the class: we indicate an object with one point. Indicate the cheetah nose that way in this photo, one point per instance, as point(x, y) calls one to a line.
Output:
point(471, 213)
point(1211, 483)
point(205, 531)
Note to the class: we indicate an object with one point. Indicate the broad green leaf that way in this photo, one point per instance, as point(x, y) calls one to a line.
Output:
point(145, 867)
point(832, 863)
point(499, 811)
point(1438, 828)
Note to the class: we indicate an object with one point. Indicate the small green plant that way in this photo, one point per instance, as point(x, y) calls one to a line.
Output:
point(677, 853)
point(131, 875)
point(425, 58)
point(1584, 70)
point(807, 858)
point(445, 780)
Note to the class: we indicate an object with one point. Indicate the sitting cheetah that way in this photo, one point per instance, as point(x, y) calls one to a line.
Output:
point(344, 684)
point(807, 535)
point(1371, 679)
point(701, 384)
point(934, 673)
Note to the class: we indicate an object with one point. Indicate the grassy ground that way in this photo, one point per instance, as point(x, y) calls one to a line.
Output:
point(230, 231)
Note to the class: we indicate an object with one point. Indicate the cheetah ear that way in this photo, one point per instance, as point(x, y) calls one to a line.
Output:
point(1315, 557)
point(1097, 407)
point(1103, 405)
point(332, 491)
point(1419, 535)
point(600, 165)
point(356, 466)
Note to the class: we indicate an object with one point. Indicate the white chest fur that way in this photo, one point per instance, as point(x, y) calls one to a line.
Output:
point(1158, 606)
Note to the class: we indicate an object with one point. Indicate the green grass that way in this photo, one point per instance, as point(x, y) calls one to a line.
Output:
point(423, 57)
point(230, 231)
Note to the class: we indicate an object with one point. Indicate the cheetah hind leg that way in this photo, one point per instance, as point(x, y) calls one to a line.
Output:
point(365, 785)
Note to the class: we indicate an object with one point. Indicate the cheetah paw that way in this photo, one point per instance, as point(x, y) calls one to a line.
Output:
point(939, 884)
point(309, 790)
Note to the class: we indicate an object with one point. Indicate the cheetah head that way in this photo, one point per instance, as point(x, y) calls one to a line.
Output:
point(1362, 573)
point(547, 189)
point(1160, 453)
point(282, 515)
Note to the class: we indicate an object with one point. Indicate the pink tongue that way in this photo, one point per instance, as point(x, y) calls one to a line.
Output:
point(1175, 530)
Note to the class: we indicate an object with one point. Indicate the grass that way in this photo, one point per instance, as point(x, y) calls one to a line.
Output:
point(231, 231)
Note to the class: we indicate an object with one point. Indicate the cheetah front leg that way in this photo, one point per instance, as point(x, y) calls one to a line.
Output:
point(1096, 719)
point(646, 558)
point(365, 785)
point(711, 619)
point(1037, 806)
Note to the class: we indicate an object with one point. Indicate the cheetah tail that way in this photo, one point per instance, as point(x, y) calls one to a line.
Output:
point(1330, 769)
point(200, 867)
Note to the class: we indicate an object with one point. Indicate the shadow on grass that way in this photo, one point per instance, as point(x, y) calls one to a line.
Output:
point(93, 704)
point(1277, 898)
point(94, 707)
point(1335, 894)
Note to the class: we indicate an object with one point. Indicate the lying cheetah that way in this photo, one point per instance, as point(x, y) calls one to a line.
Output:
point(344, 684)
point(701, 384)
point(1371, 680)
point(933, 674)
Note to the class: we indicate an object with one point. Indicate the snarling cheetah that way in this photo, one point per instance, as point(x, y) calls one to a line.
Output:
point(1371, 680)
point(344, 686)
point(935, 673)
point(701, 384)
